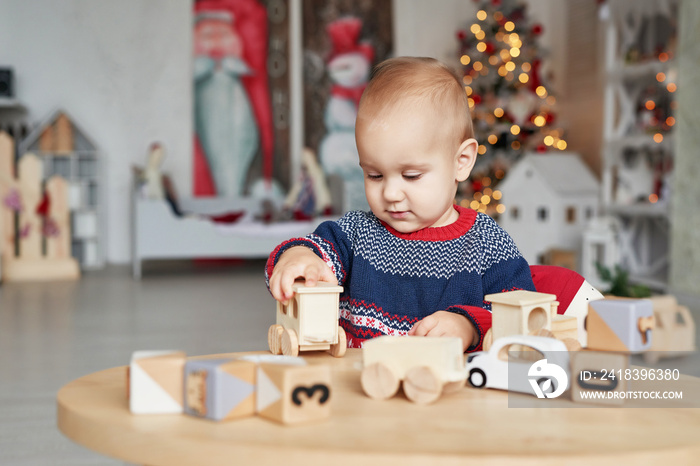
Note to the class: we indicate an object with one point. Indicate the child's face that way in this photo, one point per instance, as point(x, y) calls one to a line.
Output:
point(411, 173)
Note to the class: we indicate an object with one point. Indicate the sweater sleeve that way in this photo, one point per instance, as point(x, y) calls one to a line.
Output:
point(328, 241)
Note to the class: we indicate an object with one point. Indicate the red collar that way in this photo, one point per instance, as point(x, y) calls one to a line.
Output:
point(454, 230)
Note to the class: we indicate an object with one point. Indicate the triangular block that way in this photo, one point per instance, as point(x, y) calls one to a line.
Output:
point(155, 381)
point(600, 335)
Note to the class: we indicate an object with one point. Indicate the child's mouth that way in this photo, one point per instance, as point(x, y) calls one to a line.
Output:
point(398, 215)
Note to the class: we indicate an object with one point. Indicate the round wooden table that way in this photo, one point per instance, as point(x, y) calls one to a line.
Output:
point(470, 425)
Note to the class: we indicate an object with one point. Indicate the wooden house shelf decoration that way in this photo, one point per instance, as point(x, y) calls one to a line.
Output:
point(64, 149)
point(34, 220)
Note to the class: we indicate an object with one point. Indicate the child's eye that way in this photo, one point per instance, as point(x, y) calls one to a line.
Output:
point(374, 176)
point(412, 176)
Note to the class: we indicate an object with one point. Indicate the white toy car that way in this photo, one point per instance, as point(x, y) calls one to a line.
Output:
point(541, 367)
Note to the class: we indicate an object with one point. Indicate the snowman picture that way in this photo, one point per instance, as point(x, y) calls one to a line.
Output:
point(348, 67)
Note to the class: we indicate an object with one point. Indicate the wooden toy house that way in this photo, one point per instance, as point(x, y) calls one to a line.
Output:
point(66, 150)
point(309, 322)
point(520, 312)
point(549, 199)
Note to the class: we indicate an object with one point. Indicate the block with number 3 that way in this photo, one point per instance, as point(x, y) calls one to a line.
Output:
point(292, 394)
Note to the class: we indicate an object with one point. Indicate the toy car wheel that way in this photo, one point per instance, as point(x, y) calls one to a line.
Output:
point(422, 385)
point(290, 343)
point(477, 378)
point(274, 338)
point(338, 350)
point(379, 382)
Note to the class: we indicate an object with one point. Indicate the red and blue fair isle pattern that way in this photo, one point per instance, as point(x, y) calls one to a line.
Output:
point(391, 280)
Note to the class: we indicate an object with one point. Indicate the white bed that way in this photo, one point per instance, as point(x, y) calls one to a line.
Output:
point(157, 233)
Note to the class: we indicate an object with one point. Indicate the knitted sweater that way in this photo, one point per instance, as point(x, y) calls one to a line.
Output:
point(392, 280)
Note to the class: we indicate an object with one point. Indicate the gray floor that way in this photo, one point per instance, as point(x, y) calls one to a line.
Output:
point(52, 333)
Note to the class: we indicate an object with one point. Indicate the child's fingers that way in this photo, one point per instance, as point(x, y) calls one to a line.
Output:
point(311, 275)
point(327, 275)
point(424, 326)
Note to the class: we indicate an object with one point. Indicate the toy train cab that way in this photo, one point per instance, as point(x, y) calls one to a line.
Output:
point(309, 322)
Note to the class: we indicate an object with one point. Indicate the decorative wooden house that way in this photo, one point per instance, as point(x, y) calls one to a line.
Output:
point(34, 220)
point(65, 150)
point(549, 199)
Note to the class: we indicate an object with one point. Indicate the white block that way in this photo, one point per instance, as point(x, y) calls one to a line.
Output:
point(156, 382)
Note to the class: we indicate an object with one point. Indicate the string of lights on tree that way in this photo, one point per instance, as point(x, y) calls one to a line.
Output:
point(511, 105)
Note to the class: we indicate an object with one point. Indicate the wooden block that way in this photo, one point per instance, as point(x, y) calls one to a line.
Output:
point(292, 394)
point(565, 327)
point(155, 382)
point(620, 325)
point(594, 373)
point(220, 389)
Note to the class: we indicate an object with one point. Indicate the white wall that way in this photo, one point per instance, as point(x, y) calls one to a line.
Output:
point(121, 69)
point(429, 28)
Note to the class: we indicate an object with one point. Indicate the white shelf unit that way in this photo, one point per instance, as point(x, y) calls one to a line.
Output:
point(637, 168)
point(82, 169)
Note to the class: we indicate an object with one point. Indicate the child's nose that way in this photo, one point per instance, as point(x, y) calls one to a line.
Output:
point(392, 190)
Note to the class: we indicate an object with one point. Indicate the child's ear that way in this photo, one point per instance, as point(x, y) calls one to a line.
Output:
point(466, 157)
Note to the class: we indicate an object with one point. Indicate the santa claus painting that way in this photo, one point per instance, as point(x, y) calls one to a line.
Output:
point(232, 114)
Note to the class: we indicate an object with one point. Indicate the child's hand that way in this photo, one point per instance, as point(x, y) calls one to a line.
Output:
point(446, 324)
point(298, 262)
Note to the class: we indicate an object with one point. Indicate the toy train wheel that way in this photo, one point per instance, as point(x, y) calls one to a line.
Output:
point(572, 344)
point(290, 343)
point(338, 350)
point(477, 378)
point(451, 387)
point(274, 338)
point(379, 382)
point(422, 385)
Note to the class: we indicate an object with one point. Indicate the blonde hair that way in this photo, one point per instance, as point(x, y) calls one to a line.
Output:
point(425, 82)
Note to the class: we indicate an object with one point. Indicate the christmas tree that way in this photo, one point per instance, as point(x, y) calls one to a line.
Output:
point(511, 104)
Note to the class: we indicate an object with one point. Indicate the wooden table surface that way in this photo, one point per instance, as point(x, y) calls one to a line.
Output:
point(470, 425)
